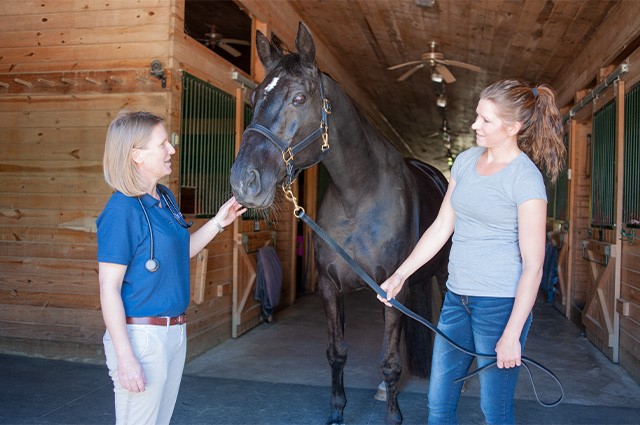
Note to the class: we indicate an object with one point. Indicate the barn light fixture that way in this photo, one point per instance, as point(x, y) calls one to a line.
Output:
point(441, 100)
point(436, 77)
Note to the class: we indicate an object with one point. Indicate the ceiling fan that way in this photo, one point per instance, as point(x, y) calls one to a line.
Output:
point(215, 39)
point(437, 62)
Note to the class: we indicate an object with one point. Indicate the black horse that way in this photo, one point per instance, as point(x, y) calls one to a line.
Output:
point(376, 205)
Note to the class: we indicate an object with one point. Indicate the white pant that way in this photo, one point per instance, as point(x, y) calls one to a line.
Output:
point(161, 351)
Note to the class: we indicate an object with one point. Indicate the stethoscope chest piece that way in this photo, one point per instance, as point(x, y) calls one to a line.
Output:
point(151, 264)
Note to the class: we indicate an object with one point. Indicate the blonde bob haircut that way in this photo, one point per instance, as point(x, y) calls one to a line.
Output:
point(128, 131)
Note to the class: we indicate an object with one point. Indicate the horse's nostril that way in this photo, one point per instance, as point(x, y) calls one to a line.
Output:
point(252, 181)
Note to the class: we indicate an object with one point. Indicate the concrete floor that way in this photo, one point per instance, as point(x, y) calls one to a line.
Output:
point(277, 374)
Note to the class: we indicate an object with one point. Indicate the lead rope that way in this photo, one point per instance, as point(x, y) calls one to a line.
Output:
point(299, 212)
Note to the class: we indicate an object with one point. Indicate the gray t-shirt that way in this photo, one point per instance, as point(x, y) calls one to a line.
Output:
point(485, 256)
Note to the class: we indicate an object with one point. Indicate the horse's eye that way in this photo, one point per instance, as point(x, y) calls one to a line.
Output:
point(299, 99)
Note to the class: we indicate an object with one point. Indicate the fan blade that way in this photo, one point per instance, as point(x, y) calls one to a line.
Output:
point(235, 41)
point(410, 72)
point(405, 64)
point(461, 65)
point(233, 52)
point(447, 76)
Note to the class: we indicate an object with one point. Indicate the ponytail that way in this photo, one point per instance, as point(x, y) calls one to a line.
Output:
point(540, 136)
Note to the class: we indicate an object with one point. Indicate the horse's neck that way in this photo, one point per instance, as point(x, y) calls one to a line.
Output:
point(360, 155)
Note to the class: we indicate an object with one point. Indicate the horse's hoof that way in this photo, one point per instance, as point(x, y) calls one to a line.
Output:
point(335, 420)
point(381, 395)
point(394, 419)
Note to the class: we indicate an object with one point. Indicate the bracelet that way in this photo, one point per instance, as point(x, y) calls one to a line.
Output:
point(218, 225)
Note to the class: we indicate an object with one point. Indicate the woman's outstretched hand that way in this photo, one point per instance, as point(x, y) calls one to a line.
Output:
point(229, 211)
point(392, 287)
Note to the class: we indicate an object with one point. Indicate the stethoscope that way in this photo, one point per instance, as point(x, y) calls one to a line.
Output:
point(152, 264)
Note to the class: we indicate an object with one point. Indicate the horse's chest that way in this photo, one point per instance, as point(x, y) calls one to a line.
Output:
point(371, 241)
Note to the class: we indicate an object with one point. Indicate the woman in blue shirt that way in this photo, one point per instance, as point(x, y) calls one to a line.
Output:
point(144, 248)
point(496, 203)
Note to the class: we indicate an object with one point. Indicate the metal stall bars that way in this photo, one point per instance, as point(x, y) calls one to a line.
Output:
point(207, 131)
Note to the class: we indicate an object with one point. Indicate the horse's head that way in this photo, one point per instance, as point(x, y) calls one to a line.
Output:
point(288, 130)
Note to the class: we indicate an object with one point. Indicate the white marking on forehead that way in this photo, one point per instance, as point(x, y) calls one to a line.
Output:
point(271, 85)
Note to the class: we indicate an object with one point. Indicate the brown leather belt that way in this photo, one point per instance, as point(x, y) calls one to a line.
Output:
point(158, 321)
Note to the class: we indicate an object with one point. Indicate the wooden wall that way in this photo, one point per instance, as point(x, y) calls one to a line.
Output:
point(616, 40)
point(66, 68)
point(60, 89)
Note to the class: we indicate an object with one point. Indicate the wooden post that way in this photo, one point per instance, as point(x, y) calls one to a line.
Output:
point(292, 248)
point(239, 128)
point(573, 177)
point(619, 224)
point(311, 208)
point(200, 277)
point(257, 70)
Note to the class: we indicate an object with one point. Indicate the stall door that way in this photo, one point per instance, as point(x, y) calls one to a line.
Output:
point(598, 314)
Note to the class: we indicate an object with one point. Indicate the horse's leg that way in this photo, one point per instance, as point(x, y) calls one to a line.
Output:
point(391, 362)
point(333, 303)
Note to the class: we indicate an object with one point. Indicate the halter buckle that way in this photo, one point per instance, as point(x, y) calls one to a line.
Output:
point(326, 106)
point(287, 156)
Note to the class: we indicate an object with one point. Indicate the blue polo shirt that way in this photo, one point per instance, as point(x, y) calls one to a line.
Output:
point(123, 238)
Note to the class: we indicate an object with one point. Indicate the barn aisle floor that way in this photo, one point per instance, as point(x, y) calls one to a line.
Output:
point(277, 374)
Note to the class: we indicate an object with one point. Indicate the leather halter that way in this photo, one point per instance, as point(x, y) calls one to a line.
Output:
point(290, 150)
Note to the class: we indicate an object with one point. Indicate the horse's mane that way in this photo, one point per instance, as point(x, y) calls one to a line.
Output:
point(294, 64)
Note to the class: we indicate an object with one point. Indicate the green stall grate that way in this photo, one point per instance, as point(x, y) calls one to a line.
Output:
point(631, 187)
point(207, 134)
point(603, 148)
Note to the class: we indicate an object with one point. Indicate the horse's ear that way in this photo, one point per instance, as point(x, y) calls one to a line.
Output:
point(304, 43)
point(268, 53)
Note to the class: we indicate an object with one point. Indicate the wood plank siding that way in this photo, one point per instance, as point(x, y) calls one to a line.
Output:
point(66, 69)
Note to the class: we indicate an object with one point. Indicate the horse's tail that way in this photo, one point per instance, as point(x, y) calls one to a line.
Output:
point(418, 339)
point(431, 186)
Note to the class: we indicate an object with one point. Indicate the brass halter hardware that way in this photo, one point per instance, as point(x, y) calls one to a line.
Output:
point(288, 193)
point(290, 150)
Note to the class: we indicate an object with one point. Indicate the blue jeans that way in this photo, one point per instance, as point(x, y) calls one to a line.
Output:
point(475, 323)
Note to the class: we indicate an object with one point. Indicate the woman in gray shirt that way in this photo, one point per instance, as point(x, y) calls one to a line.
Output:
point(495, 207)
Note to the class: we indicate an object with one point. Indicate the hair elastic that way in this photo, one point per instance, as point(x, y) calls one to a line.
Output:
point(534, 90)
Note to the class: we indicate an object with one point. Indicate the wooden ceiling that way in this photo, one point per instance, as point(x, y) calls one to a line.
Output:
point(529, 39)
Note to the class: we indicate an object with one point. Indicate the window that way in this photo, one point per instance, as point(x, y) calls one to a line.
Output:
point(558, 193)
point(603, 167)
point(207, 134)
point(631, 187)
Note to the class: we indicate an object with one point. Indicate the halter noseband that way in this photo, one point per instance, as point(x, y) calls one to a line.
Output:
point(289, 151)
